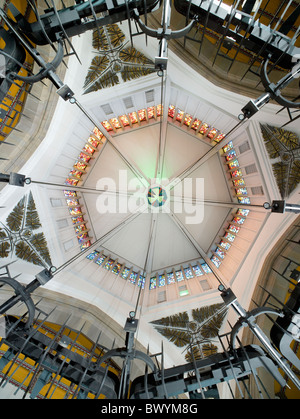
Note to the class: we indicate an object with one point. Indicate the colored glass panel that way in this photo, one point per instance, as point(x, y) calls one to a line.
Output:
point(80, 228)
point(204, 128)
point(241, 191)
point(220, 252)
point(75, 173)
point(78, 219)
point(179, 115)
point(170, 278)
point(228, 147)
point(196, 124)
point(151, 111)
point(229, 236)
point(107, 126)
point(161, 280)
point(115, 123)
point(188, 273)
point(206, 268)
point(86, 245)
point(84, 157)
point(124, 120)
point(231, 155)
point(197, 270)
point(116, 269)
point(215, 261)
point(179, 276)
point(87, 148)
point(125, 273)
point(211, 134)
point(80, 166)
point(236, 173)
point(133, 117)
point(133, 277)
point(72, 202)
point(219, 137)
point(243, 212)
point(93, 142)
point(187, 120)
point(109, 264)
point(239, 220)
point(158, 110)
point(238, 182)
point(142, 115)
point(234, 229)
point(243, 200)
point(100, 260)
point(75, 211)
point(152, 285)
point(71, 182)
point(81, 237)
point(233, 164)
point(141, 281)
point(225, 245)
point(171, 111)
point(92, 255)
point(70, 193)
point(98, 133)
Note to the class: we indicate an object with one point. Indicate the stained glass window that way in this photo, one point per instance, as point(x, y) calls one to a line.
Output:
point(219, 137)
point(124, 120)
point(188, 273)
point(196, 124)
point(220, 252)
point(80, 228)
point(88, 149)
point(211, 134)
point(187, 120)
point(125, 273)
point(80, 166)
point(229, 237)
point(234, 229)
point(150, 112)
point(228, 147)
point(238, 182)
point(215, 261)
point(197, 270)
point(70, 193)
point(93, 142)
point(158, 110)
point(98, 133)
point(107, 126)
point(161, 280)
point(141, 281)
point(72, 202)
point(231, 155)
point(233, 164)
point(78, 219)
point(133, 277)
point(225, 245)
point(241, 191)
point(152, 285)
point(116, 269)
point(86, 245)
point(206, 268)
point(204, 128)
point(115, 123)
point(75, 173)
point(142, 115)
point(133, 117)
point(243, 200)
point(239, 220)
point(75, 211)
point(109, 264)
point(243, 212)
point(236, 173)
point(100, 260)
point(84, 157)
point(92, 255)
point(71, 182)
point(170, 278)
point(81, 237)
point(179, 276)
point(179, 115)
point(171, 111)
